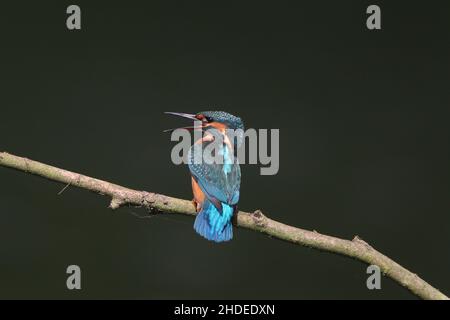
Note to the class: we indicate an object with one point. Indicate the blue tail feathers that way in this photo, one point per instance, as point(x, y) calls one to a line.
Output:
point(213, 225)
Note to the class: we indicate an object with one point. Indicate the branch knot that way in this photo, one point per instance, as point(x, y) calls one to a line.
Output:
point(259, 218)
point(357, 239)
point(116, 203)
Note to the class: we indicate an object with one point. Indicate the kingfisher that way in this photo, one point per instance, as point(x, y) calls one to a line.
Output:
point(215, 184)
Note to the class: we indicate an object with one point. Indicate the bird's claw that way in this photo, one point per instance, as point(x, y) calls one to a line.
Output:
point(197, 205)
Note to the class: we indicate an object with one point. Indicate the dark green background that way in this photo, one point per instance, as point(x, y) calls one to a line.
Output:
point(363, 118)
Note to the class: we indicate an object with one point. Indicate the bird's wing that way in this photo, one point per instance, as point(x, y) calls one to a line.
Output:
point(216, 181)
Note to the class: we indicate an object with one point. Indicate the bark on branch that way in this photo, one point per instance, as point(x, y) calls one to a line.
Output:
point(257, 221)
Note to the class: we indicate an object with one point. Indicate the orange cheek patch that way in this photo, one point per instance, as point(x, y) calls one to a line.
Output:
point(219, 126)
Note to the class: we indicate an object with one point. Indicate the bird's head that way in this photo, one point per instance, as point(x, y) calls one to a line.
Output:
point(219, 120)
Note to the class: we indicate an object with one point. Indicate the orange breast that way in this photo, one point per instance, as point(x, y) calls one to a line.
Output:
point(199, 196)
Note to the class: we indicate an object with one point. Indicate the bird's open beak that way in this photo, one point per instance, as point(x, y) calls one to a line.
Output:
point(184, 115)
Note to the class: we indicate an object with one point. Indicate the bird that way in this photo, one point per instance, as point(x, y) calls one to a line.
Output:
point(215, 184)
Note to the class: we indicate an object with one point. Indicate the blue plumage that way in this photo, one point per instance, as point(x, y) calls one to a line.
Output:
point(220, 183)
point(213, 225)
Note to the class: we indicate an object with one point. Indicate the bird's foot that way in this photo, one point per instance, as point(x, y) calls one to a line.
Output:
point(197, 205)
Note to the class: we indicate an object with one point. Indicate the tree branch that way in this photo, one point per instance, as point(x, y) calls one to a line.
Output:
point(256, 221)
